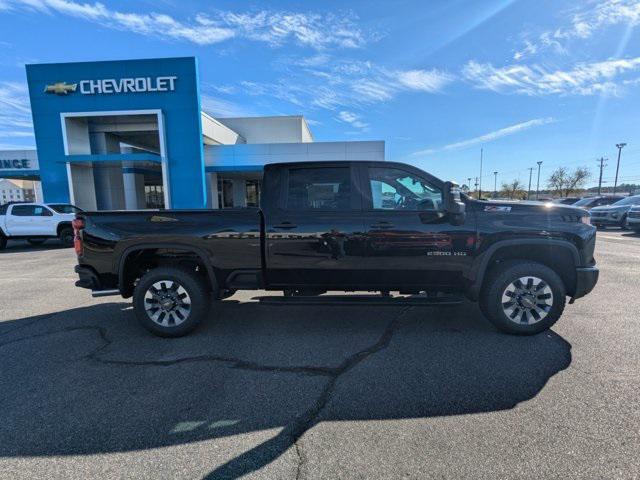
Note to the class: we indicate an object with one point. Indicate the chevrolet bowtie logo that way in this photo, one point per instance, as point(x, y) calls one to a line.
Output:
point(61, 88)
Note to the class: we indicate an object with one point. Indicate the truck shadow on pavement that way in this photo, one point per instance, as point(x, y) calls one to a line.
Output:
point(90, 380)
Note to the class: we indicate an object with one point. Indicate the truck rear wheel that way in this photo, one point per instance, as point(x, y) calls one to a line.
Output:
point(171, 301)
point(522, 297)
point(3, 241)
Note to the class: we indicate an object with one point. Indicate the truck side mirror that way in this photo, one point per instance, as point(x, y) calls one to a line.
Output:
point(453, 204)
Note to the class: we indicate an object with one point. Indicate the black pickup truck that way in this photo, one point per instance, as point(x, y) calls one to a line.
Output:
point(345, 226)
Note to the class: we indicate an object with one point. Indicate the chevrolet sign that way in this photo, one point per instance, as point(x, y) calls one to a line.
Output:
point(128, 85)
point(112, 85)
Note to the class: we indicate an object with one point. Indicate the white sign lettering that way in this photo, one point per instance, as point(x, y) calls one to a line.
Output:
point(128, 85)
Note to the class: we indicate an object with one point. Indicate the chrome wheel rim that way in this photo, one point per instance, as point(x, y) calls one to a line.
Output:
point(167, 303)
point(527, 300)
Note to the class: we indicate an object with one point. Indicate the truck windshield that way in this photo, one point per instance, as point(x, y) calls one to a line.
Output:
point(584, 201)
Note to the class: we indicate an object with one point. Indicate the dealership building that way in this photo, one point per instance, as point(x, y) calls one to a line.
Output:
point(132, 135)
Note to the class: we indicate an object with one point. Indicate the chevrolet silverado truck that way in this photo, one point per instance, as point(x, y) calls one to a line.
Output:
point(36, 222)
point(343, 226)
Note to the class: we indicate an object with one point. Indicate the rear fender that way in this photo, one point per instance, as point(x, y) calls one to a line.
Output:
point(126, 292)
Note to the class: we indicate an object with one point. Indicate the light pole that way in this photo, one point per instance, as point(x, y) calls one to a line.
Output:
point(495, 184)
point(602, 159)
point(480, 188)
point(529, 190)
point(538, 184)
point(620, 146)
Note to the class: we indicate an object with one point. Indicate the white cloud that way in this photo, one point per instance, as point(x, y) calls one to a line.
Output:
point(592, 18)
point(424, 80)
point(217, 107)
point(314, 30)
point(489, 137)
point(609, 12)
point(582, 79)
point(337, 84)
point(352, 119)
point(15, 111)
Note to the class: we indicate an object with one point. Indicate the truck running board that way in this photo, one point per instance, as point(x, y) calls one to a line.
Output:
point(360, 300)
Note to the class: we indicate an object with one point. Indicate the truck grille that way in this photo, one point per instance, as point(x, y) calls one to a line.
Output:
point(634, 214)
point(598, 214)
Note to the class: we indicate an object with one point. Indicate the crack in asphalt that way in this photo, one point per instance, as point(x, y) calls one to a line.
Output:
point(266, 452)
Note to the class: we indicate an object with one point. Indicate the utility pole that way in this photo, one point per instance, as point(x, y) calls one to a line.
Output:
point(469, 183)
point(602, 159)
point(495, 184)
point(619, 146)
point(538, 184)
point(480, 190)
point(529, 190)
point(478, 196)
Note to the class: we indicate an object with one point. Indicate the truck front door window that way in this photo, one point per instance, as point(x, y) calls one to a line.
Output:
point(394, 189)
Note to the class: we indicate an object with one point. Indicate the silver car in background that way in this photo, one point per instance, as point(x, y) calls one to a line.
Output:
point(633, 219)
point(614, 215)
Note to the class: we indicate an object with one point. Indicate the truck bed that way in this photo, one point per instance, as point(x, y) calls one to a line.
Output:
point(229, 239)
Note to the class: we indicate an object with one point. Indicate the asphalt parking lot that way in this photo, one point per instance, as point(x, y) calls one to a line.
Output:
point(274, 391)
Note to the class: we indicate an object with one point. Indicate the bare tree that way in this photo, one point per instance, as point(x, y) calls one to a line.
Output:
point(513, 190)
point(564, 183)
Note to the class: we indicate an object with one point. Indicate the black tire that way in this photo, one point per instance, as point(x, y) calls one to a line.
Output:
point(190, 282)
point(36, 241)
point(3, 242)
point(504, 277)
point(66, 236)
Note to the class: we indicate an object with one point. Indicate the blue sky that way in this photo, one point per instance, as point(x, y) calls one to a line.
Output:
point(556, 81)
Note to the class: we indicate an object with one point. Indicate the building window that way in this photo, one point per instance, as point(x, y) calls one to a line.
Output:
point(225, 193)
point(253, 193)
point(154, 196)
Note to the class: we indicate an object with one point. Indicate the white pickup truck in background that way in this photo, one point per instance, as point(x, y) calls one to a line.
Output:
point(36, 222)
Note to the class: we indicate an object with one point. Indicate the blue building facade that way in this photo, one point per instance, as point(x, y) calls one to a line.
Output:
point(131, 134)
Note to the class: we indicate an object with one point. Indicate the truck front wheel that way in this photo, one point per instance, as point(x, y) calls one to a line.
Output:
point(171, 301)
point(522, 297)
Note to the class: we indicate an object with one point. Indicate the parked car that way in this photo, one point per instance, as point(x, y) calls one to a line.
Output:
point(346, 226)
point(633, 218)
point(614, 215)
point(590, 202)
point(37, 222)
point(566, 200)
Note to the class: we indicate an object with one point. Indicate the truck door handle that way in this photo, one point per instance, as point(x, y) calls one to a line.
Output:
point(285, 226)
point(382, 225)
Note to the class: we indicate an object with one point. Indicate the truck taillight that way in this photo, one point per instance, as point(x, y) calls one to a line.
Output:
point(78, 225)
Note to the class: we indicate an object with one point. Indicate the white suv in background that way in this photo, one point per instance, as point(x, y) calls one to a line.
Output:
point(37, 222)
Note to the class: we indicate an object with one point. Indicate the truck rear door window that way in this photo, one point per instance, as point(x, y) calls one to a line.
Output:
point(327, 188)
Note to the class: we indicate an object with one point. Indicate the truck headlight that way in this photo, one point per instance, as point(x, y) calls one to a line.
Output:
point(586, 220)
